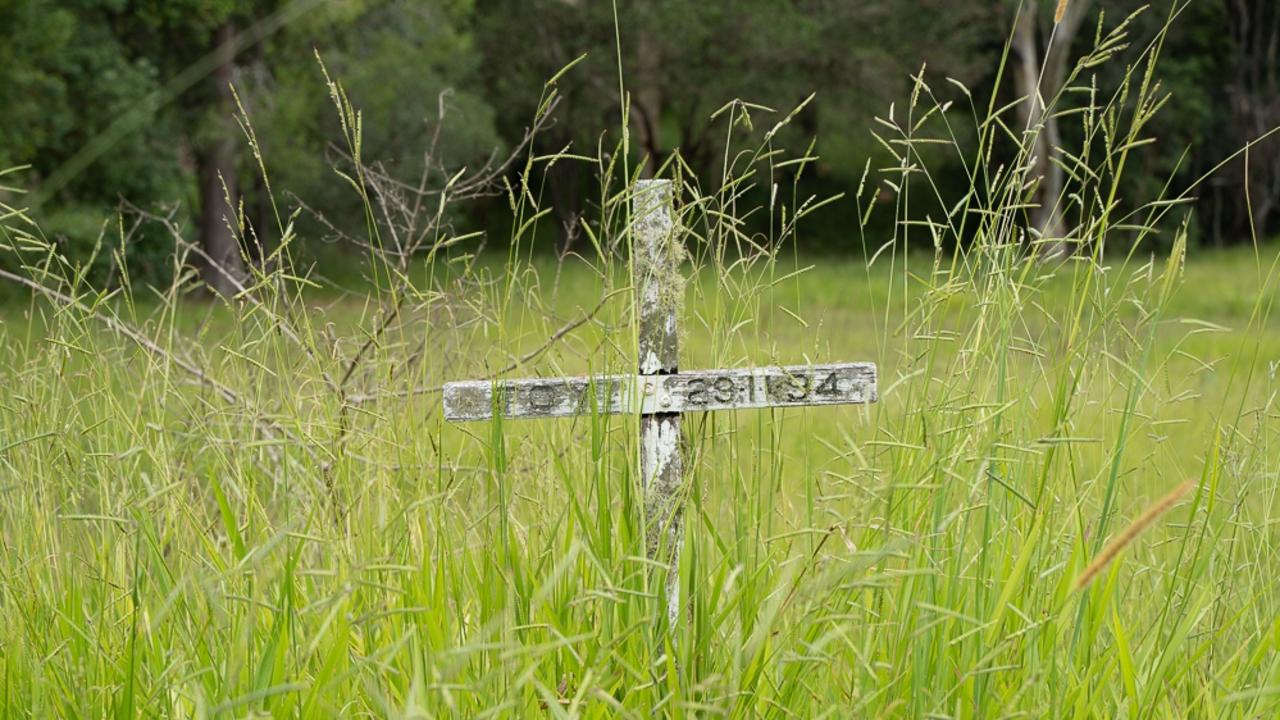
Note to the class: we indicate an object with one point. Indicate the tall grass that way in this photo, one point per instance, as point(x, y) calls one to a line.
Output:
point(254, 506)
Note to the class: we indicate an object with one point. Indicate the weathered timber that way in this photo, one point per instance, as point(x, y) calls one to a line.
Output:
point(658, 391)
point(656, 252)
point(683, 392)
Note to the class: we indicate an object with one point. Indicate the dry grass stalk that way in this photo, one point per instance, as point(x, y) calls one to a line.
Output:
point(1135, 529)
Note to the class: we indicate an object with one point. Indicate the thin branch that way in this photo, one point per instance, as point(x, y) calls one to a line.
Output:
point(551, 340)
point(228, 395)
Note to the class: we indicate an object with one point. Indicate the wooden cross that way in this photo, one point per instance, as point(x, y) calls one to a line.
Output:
point(659, 392)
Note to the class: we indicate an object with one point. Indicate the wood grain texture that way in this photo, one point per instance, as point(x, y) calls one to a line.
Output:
point(656, 252)
point(658, 391)
point(693, 391)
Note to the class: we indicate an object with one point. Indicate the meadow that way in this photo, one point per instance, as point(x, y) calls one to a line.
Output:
point(1065, 503)
point(170, 551)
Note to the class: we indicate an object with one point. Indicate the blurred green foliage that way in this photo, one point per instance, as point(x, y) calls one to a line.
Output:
point(410, 68)
point(72, 68)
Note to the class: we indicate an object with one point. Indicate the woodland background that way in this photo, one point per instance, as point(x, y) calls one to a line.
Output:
point(125, 106)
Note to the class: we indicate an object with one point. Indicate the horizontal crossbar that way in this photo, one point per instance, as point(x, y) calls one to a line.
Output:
point(696, 391)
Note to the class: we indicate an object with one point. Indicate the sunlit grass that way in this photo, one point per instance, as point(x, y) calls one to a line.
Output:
point(832, 553)
point(221, 508)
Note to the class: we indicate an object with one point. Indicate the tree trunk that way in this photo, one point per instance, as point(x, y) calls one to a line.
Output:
point(564, 182)
point(1254, 95)
point(223, 267)
point(646, 100)
point(1039, 81)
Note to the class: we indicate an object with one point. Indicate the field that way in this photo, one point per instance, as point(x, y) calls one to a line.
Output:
point(244, 246)
point(262, 511)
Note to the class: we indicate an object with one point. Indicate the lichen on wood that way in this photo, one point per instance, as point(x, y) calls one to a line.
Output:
point(678, 392)
point(657, 254)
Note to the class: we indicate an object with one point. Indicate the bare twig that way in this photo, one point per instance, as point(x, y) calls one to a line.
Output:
point(268, 428)
point(551, 340)
point(283, 323)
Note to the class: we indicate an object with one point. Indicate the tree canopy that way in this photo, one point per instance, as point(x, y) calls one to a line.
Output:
point(145, 81)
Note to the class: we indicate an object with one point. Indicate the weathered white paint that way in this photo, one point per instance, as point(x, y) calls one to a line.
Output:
point(659, 392)
point(540, 398)
point(662, 466)
point(656, 253)
point(650, 364)
point(692, 391)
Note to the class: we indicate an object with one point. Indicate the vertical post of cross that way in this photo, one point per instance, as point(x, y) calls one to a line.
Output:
point(656, 255)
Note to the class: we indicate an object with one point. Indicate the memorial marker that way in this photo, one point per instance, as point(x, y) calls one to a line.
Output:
point(690, 391)
point(659, 392)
